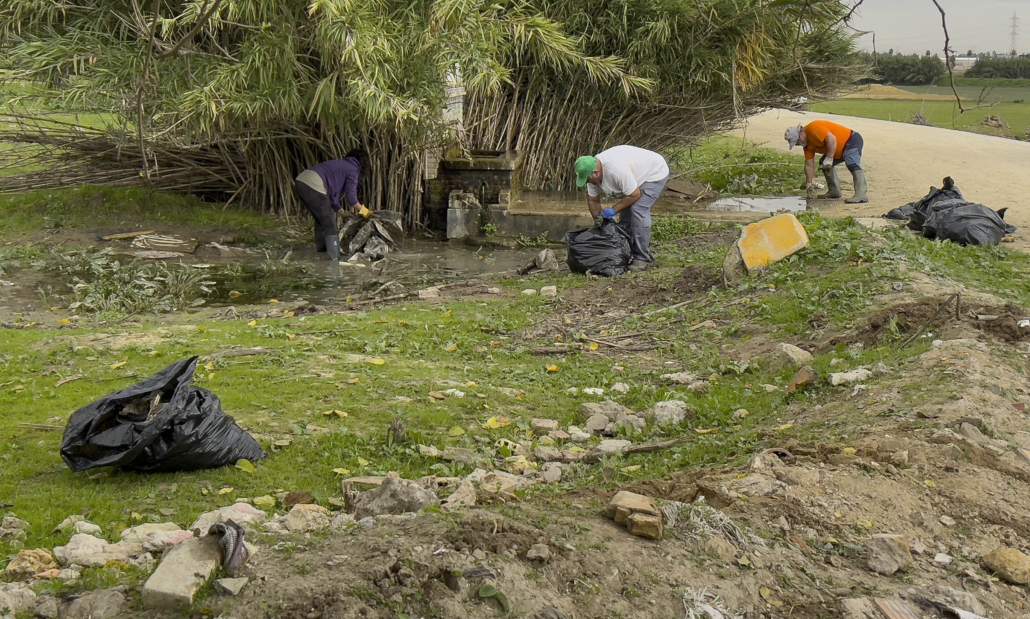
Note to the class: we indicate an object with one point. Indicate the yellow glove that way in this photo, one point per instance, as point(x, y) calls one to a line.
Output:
point(365, 212)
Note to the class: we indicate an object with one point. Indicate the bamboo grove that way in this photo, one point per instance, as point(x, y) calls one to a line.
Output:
point(233, 98)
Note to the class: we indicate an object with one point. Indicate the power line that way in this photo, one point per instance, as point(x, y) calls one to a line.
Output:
point(1015, 34)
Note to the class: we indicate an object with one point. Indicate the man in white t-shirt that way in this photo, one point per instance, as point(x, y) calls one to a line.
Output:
point(635, 176)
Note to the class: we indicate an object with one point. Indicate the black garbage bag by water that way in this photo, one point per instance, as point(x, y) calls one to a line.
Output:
point(162, 424)
point(602, 250)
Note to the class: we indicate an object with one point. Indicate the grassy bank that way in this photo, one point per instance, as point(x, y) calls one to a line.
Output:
point(1016, 116)
point(735, 165)
point(392, 363)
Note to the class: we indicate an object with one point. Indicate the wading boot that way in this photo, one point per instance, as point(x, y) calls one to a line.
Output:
point(332, 247)
point(832, 186)
point(861, 188)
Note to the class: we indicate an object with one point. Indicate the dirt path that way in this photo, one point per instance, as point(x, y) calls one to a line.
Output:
point(904, 160)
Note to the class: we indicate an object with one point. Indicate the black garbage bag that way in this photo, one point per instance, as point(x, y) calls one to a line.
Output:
point(916, 213)
point(602, 250)
point(162, 424)
point(968, 224)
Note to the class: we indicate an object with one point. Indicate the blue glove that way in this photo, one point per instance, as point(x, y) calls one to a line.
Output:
point(608, 213)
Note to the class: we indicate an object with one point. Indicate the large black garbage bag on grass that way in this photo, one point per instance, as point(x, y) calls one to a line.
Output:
point(602, 250)
point(967, 224)
point(916, 212)
point(161, 424)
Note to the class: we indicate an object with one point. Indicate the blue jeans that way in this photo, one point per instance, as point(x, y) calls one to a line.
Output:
point(853, 152)
point(637, 222)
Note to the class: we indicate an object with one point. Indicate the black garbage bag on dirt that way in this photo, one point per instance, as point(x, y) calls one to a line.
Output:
point(945, 214)
point(162, 424)
point(602, 250)
point(968, 224)
point(916, 212)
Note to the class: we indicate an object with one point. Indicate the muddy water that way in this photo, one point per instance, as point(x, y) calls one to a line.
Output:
point(310, 276)
point(256, 277)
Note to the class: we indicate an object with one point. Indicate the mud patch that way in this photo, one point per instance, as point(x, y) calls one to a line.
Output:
point(699, 279)
point(936, 315)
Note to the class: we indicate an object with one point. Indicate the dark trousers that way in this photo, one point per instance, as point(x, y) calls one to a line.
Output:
point(320, 208)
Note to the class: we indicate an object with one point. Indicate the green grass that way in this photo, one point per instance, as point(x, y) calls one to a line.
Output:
point(939, 113)
point(738, 166)
point(972, 94)
point(107, 209)
point(479, 345)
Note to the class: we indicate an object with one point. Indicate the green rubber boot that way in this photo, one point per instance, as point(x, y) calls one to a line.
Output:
point(861, 188)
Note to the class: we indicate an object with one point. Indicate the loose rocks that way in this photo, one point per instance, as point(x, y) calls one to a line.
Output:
point(670, 413)
point(28, 563)
point(1009, 564)
point(105, 604)
point(307, 517)
point(394, 496)
point(888, 554)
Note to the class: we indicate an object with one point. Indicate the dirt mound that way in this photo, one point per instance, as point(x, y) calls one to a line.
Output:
point(885, 92)
point(938, 315)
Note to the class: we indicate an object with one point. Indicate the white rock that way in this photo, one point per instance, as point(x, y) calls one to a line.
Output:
point(670, 412)
point(630, 424)
point(342, 521)
point(68, 523)
point(577, 435)
point(231, 586)
point(854, 376)
point(429, 293)
point(140, 534)
point(529, 292)
point(185, 569)
point(494, 291)
point(16, 597)
point(611, 447)
point(595, 391)
point(88, 528)
point(551, 472)
point(595, 424)
point(620, 388)
point(104, 604)
point(549, 291)
point(307, 517)
point(792, 355)
point(942, 559)
point(240, 513)
point(90, 551)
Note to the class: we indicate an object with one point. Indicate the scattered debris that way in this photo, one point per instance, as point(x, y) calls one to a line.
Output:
point(231, 545)
point(240, 513)
point(702, 604)
point(771, 240)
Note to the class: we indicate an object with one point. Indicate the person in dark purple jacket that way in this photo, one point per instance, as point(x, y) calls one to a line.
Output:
point(321, 188)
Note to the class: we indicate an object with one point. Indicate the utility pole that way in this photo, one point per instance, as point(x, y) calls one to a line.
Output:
point(1015, 34)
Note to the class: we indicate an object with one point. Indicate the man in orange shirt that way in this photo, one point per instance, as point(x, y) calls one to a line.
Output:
point(837, 144)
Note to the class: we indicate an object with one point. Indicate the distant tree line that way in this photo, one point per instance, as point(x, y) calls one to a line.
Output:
point(906, 69)
point(1004, 68)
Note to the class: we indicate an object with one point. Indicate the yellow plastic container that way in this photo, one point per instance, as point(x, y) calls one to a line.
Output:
point(771, 240)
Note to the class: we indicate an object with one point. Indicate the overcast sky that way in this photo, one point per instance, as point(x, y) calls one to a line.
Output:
point(915, 25)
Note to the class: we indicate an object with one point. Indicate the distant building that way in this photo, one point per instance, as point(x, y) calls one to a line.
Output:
point(961, 64)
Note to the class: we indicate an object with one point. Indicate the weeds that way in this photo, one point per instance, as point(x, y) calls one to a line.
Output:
point(732, 165)
point(101, 283)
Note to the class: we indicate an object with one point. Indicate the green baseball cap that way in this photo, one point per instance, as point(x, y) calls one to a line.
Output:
point(585, 167)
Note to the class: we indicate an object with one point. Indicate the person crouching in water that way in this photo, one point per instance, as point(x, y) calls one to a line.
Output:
point(321, 188)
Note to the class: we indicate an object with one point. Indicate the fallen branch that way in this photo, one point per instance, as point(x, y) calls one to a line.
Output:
point(39, 426)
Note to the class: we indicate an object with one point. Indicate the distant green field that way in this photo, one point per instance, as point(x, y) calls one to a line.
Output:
point(939, 113)
point(986, 93)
